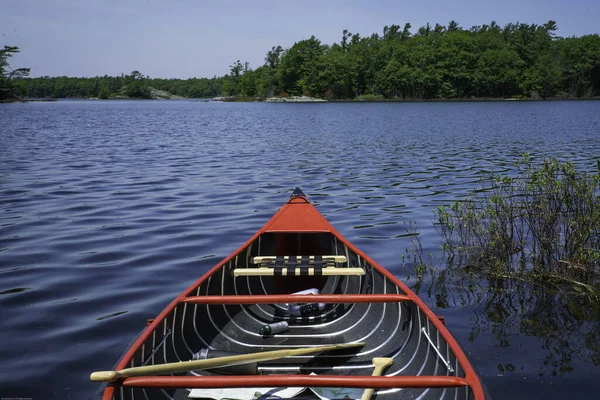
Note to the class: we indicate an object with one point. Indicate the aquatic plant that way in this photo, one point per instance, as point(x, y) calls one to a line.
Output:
point(421, 265)
point(541, 223)
point(522, 253)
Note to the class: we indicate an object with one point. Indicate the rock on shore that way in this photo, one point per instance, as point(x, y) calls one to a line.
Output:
point(294, 99)
point(225, 98)
point(163, 95)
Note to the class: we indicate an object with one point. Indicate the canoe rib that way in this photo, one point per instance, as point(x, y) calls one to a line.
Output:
point(376, 382)
point(307, 298)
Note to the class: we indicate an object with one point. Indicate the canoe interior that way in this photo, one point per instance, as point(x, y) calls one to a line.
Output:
point(393, 330)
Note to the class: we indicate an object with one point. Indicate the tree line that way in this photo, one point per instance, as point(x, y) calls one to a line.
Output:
point(104, 87)
point(435, 62)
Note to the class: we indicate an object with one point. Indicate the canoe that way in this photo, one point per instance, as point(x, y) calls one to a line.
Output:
point(296, 285)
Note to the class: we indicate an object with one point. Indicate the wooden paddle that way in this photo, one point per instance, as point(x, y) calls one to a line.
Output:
point(186, 366)
point(381, 364)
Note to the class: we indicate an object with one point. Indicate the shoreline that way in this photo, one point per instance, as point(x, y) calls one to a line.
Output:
point(308, 100)
point(478, 99)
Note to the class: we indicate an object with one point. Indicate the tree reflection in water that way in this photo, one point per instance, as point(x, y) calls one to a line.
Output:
point(566, 321)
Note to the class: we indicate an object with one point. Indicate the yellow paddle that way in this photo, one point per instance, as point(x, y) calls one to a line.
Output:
point(381, 364)
point(186, 366)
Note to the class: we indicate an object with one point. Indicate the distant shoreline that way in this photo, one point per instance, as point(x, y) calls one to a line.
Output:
point(480, 100)
point(298, 99)
point(311, 100)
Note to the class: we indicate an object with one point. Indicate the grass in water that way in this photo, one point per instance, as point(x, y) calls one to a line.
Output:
point(523, 253)
point(416, 255)
point(541, 225)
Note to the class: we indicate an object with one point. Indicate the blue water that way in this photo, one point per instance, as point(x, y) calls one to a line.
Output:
point(109, 209)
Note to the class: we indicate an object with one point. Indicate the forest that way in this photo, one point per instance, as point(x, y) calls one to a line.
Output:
point(516, 60)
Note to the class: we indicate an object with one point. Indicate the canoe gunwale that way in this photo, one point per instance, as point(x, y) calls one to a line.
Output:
point(241, 381)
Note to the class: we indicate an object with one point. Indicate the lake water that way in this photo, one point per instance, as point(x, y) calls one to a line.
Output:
point(108, 210)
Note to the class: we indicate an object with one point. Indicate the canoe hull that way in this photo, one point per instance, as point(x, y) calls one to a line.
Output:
point(399, 326)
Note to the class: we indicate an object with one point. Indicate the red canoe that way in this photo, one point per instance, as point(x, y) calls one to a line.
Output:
point(351, 300)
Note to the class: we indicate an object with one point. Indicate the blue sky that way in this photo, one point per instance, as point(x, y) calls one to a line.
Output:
point(201, 38)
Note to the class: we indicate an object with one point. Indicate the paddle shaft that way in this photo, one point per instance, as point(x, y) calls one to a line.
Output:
point(186, 366)
point(381, 364)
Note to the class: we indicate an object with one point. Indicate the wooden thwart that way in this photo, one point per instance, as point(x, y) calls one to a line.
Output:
point(298, 271)
point(310, 259)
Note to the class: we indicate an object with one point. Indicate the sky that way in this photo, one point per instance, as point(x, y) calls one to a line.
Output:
point(202, 38)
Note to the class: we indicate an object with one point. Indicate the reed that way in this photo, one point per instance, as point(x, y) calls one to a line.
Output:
point(542, 223)
point(421, 264)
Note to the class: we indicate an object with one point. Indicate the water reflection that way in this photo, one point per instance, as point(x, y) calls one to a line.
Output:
point(14, 290)
point(565, 321)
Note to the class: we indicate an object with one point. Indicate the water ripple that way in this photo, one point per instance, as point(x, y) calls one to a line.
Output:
point(109, 209)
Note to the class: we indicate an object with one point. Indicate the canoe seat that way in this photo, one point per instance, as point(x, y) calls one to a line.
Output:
point(298, 266)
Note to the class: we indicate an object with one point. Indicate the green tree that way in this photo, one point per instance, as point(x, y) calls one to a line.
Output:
point(366, 60)
point(453, 26)
point(335, 74)
point(104, 93)
point(543, 78)
point(299, 66)
point(391, 32)
point(7, 74)
point(580, 65)
point(232, 80)
point(395, 78)
point(497, 73)
point(137, 85)
point(456, 55)
point(273, 57)
point(247, 84)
